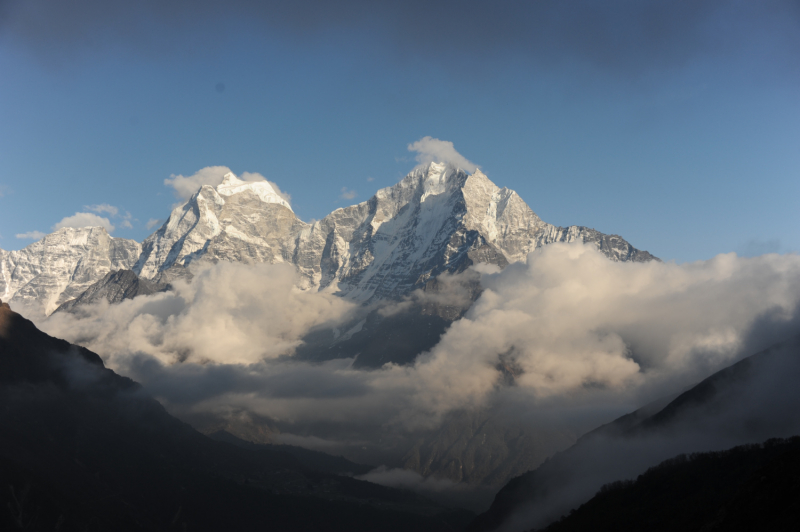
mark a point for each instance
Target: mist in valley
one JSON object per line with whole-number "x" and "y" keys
{"x": 550, "y": 349}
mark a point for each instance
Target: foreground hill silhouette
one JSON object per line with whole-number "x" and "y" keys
{"x": 752, "y": 487}
{"x": 746, "y": 403}
{"x": 82, "y": 448}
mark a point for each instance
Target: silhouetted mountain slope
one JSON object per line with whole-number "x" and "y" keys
{"x": 82, "y": 448}
{"x": 313, "y": 460}
{"x": 752, "y": 487}
{"x": 750, "y": 401}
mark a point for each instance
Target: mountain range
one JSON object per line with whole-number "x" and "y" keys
{"x": 437, "y": 219}
{"x": 72, "y": 426}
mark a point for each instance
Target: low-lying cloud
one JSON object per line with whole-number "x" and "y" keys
{"x": 230, "y": 314}
{"x": 572, "y": 321}
{"x": 567, "y": 330}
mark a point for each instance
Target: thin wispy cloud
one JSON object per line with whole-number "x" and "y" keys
{"x": 152, "y": 222}
{"x": 31, "y": 235}
{"x": 103, "y": 208}
{"x": 124, "y": 218}
{"x": 347, "y": 194}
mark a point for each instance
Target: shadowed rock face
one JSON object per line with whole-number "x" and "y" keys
{"x": 82, "y": 448}
{"x": 113, "y": 288}
{"x": 29, "y": 355}
{"x": 748, "y": 402}
{"x": 481, "y": 448}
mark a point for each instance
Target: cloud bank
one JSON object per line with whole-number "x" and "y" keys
{"x": 571, "y": 323}
{"x": 230, "y": 314}
{"x": 567, "y": 329}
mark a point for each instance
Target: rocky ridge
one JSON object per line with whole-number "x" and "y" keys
{"x": 437, "y": 219}
{"x": 113, "y": 288}
{"x": 62, "y": 265}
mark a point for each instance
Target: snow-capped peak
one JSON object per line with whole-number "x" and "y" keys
{"x": 435, "y": 179}
{"x": 233, "y": 185}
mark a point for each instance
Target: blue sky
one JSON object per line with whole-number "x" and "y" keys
{"x": 676, "y": 127}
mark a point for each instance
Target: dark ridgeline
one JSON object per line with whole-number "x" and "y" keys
{"x": 82, "y": 448}
{"x": 747, "y": 488}
{"x": 748, "y": 402}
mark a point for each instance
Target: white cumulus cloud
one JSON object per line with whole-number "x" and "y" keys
{"x": 431, "y": 150}
{"x": 185, "y": 186}
{"x": 85, "y": 219}
{"x": 152, "y": 222}
{"x": 258, "y": 307}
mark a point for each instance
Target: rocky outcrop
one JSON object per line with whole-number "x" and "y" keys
{"x": 437, "y": 219}
{"x": 62, "y": 266}
{"x": 113, "y": 288}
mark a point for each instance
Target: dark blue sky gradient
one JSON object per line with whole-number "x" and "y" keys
{"x": 674, "y": 125}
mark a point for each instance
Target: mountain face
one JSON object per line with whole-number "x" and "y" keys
{"x": 748, "y": 402}
{"x": 62, "y": 266}
{"x": 237, "y": 221}
{"x": 84, "y": 449}
{"x": 437, "y": 219}
{"x": 113, "y": 288}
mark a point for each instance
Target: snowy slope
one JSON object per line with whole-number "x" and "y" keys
{"x": 236, "y": 221}
{"x": 437, "y": 219}
{"x": 62, "y": 265}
